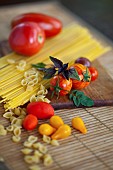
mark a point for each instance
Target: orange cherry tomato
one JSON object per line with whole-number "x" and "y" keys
{"x": 84, "y": 75}
{"x": 62, "y": 83}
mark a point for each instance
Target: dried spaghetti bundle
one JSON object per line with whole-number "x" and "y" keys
{"x": 19, "y": 81}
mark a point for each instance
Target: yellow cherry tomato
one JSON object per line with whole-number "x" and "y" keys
{"x": 56, "y": 121}
{"x": 78, "y": 124}
{"x": 62, "y": 132}
{"x": 46, "y": 129}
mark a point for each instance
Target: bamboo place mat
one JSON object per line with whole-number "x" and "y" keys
{"x": 93, "y": 151}
{"x": 82, "y": 152}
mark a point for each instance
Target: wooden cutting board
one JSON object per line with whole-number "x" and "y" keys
{"x": 100, "y": 90}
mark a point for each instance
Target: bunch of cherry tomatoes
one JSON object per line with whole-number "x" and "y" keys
{"x": 30, "y": 30}
{"x": 81, "y": 65}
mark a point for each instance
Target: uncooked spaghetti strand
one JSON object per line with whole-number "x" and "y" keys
{"x": 19, "y": 57}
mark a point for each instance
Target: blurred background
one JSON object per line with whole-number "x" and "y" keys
{"x": 99, "y": 13}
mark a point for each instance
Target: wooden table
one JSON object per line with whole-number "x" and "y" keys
{"x": 91, "y": 151}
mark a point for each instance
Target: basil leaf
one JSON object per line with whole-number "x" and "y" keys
{"x": 74, "y": 100}
{"x": 78, "y": 101}
{"x": 39, "y": 66}
{"x": 79, "y": 93}
{"x": 50, "y": 70}
{"x": 48, "y": 76}
{"x": 56, "y": 62}
{"x": 79, "y": 98}
{"x": 86, "y": 101}
{"x": 71, "y": 96}
{"x": 66, "y": 74}
{"x": 74, "y": 91}
{"x": 73, "y": 74}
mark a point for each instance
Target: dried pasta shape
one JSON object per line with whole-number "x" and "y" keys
{"x": 28, "y": 144}
{"x": 10, "y": 128}
{"x": 35, "y": 81}
{"x": 39, "y": 154}
{"x": 12, "y": 118}
{"x": 36, "y": 159}
{"x": 17, "y": 131}
{"x": 22, "y": 63}
{"x": 17, "y": 111}
{"x": 54, "y": 142}
{"x": 21, "y": 117}
{"x": 46, "y": 100}
{"x": 48, "y": 160}
{"x": 24, "y": 82}
{"x": 29, "y": 159}
{"x": 42, "y": 87}
{"x": 34, "y": 76}
{"x": 40, "y": 98}
{"x": 32, "y": 139}
{"x": 26, "y": 151}
{"x": 31, "y": 83}
{"x": 19, "y": 122}
{"x": 3, "y": 132}
{"x": 8, "y": 115}
{"x": 36, "y": 145}
{"x": 19, "y": 68}
{"x": 16, "y": 139}
{"x": 42, "y": 149}
{"x": 40, "y": 92}
{"x": 46, "y": 139}
{"x": 33, "y": 98}
{"x": 23, "y": 112}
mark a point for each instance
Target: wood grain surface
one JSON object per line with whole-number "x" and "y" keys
{"x": 100, "y": 90}
{"x": 78, "y": 152}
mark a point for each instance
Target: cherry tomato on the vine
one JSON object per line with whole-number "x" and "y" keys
{"x": 49, "y": 24}
{"x": 84, "y": 75}
{"x": 27, "y": 38}
{"x": 94, "y": 73}
{"x": 60, "y": 83}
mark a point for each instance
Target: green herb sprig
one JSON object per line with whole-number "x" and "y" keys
{"x": 79, "y": 98}
{"x": 57, "y": 68}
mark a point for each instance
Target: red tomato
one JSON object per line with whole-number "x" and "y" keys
{"x": 41, "y": 110}
{"x": 27, "y": 38}
{"x": 82, "y": 83}
{"x": 50, "y": 25}
{"x": 30, "y": 122}
{"x": 94, "y": 73}
{"x": 63, "y": 83}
